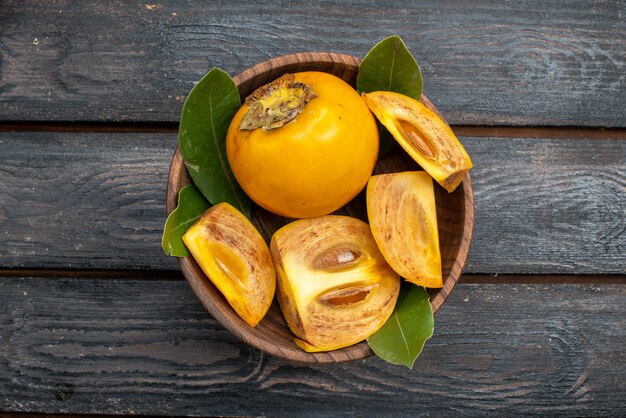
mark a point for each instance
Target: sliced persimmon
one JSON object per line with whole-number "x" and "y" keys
{"x": 334, "y": 286}
{"x": 403, "y": 218}
{"x": 423, "y": 135}
{"x": 234, "y": 256}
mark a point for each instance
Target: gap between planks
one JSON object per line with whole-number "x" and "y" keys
{"x": 46, "y": 415}
{"x": 473, "y": 278}
{"x": 461, "y": 130}
{"x": 93, "y": 274}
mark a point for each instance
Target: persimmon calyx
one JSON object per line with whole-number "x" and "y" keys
{"x": 276, "y": 104}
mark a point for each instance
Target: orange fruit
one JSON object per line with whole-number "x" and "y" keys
{"x": 303, "y": 145}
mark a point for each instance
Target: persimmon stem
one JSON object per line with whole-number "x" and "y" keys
{"x": 276, "y": 104}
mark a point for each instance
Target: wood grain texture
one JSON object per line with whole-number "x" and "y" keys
{"x": 543, "y": 205}
{"x": 84, "y": 200}
{"x": 149, "y": 347}
{"x": 522, "y": 63}
{"x": 97, "y": 201}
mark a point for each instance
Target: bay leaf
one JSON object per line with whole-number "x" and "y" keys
{"x": 204, "y": 122}
{"x": 191, "y": 205}
{"x": 389, "y": 66}
{"x": 401, "y": 339}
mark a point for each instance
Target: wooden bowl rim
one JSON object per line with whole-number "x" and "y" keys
{"x": 360, "y": 350}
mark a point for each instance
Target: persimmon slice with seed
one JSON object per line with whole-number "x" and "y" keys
{"x": 423, "y": 135}
{"x": 234, "y": 256}
{"x": 334, "y": 286}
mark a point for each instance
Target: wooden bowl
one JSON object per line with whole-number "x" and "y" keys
{"x": 455, "y": 214}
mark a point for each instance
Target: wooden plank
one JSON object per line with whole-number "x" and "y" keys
{"x": 523, "y": 63}
{"x": 84, "y": 200}
{"x": 148, "y": 347}
{"x": 96, "y": 201}
{"x": 548, "y": 206}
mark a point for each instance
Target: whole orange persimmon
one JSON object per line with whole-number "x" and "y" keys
{"x": 303, "y": 145}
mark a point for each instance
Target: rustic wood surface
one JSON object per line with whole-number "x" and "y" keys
{"x": 97, "y": 200}
{"x": 94, "y": 319}
{"x": 127, "y": 346}
{"x": 520, "y": 63}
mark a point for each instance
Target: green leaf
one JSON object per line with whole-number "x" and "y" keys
{"x": 401, "y": 339}
{"x": 204, "y": 122}
{"x": 389, "y": 66}
{"x": 191, "y": 204}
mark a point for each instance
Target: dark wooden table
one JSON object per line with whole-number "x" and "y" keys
{"x": 94, "y": 318}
